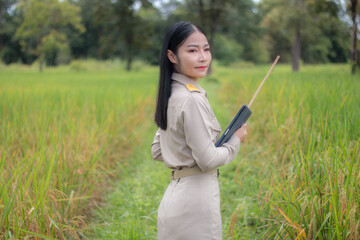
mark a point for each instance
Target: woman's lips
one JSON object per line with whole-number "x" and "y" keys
{"x": 201, "y": 67}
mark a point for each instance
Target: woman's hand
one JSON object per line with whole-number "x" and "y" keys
{"x": 241, "y": 133}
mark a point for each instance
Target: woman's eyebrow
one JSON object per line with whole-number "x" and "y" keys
{"x": 195, "y": 45}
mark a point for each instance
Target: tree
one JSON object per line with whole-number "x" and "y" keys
{"x": 208, "y": 14}
{"x": 130, "y": 28}
{"x": 297, "y": 21}
{"x": 42, "y": 31}
{"x": 310, "y": 30}
{"x": 241, "y": 22}
{"x": 9, "y": 22}
{"x": 155, "y": 27}
{"x": 102, "y": 17}
{"x": 4, "y": 7}
{"x": 328, "y": 40}
{"x": 286, "y": 22}
{"x": 95, "y": 18}
{"x": 353, "y": 10}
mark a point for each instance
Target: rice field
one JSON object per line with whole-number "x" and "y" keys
{"x": 62, "y": 134}
{"x": 302, "y": 154}
{"x": 75, "y": 152}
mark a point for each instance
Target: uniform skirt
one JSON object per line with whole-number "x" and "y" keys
{"x": 190, "y": 209}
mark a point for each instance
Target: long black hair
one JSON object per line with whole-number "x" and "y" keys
{"x": 175, "y": 35}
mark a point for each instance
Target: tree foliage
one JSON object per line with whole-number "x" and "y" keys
{"x": 42, "y": 31}
{"x": 9, "y": 22}
{"x": 242, "y": 23}
{"x": 54, "y": 31}
{"x": 131, "y": 28}
{"x": 313, "y": 27}
{"x": 353, "y": 6}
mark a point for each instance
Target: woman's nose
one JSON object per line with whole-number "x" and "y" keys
{"x": 202, "y": 56}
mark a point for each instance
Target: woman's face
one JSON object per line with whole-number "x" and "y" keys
{"x": 193, "y": 56}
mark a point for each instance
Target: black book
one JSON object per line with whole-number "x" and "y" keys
{"x": 241, "y": 117}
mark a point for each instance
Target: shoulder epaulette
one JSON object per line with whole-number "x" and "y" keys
{"x": 192, "y": 88}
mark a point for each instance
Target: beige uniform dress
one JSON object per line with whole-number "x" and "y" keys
{"x": 190, "y": 207}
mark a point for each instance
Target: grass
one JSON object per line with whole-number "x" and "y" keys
{"x": 303, "y": 154}
{"x": 75, "y": 152}
{"x": 62, "y": 133}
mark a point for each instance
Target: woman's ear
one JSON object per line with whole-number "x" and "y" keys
{"x": 172, "y": 57}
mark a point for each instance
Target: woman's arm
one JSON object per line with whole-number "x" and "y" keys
{"x": 199, "y": 136}
{"x": 156, "y": 148}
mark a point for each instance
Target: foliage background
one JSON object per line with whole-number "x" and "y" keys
{"x": 57, "y": 32}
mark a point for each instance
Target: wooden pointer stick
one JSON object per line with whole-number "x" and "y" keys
{"x": 243, "y": 114}
{"x": 262, "y": 83}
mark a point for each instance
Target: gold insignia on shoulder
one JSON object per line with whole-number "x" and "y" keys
{"x": 192, "y": 88}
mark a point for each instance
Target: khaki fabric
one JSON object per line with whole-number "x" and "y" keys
{"x": 192, "y": 131}
{"x": 190, "y": 208}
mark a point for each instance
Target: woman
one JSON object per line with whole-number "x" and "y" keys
{"x": 185, "y": 140}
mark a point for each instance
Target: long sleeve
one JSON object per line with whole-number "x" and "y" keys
{"x": 197, "y": 129}
{"x": 156, "y": 147}
{"x": 192, "y": 130}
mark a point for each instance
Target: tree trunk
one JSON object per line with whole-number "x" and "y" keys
{"x": 1, "y": 41}
{"x": 41, "y": 56}
{"x": 99, "y": 49}
{"x": 211, "y": 40}
{"x": 1, "y": 38}
{"x": 353, "y": 36}
{"x": 214, "y": 15}
{"x": 202, "y": 14}
{"x": 129, "y": 62}
{"x": 296, "y": 52}
{"x": 129, "y": 49}
{"x": 41, "y": 65}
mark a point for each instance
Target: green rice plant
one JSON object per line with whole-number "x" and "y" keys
{"x": 66, "y": 134}
{"x": 62, "y": 134}
{"x": 304, "y": 144}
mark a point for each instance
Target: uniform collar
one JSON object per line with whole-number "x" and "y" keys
{"x": 186, "y": 80}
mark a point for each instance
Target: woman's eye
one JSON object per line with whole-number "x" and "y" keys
{"x": 207, "y": 49}
{"x": 192, "y": 50}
